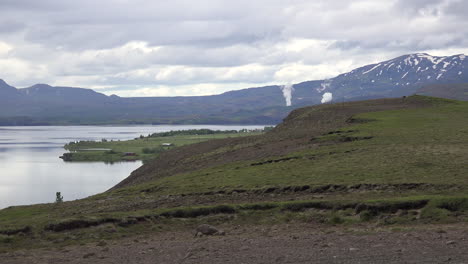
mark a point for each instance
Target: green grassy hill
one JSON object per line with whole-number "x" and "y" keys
{"x": 384, "y": 162}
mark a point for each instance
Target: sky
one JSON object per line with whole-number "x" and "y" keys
{"x": 186, "y": 47}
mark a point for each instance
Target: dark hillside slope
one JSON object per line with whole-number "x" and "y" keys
{"x": 297, "y": 132}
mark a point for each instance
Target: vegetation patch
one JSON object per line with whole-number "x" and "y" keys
{"x": 273, "y": 161}
{"x": 77, "y": 223}
{"x": 144, "y": 147}
{"x": 9, "y": 232}
{"x": 201, "y": 211}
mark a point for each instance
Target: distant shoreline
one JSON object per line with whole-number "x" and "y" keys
{"x": 132, "y": 125}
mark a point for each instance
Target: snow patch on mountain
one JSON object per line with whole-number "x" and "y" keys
{"x": 373, "y": 68}
{"x": 325, "y": 85}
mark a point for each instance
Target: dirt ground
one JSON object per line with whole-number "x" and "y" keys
{"x": 288, "y": 243}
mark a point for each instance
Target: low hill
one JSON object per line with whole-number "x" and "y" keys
{"x": 298, "y": 131}
{"x": 399, "y": 161}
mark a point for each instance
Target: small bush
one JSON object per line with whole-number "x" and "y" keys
{"x": 366, "y": 216}
{"x": 152, "y": 150}
{"x": 435, "y": 214}
{"x": 6, "y": 239}
{"x": 336, "y": 219}
{"x": 454, "y": 204}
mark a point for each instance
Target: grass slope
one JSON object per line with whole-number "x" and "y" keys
{"x": 384, "y": 162}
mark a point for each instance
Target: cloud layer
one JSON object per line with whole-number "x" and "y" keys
{"x": 145, "y": 48}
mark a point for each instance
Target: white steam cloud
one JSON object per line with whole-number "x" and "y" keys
{"x": 327, "y": 97}
{"x": 287, "y": 93}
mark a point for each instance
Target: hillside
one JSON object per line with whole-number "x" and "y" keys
{"x": 309, "y": 131}
{"x": 450, "y": 91}
{"x": 372, "y": 163}
{"x": 297, "y": 132}
{"x": 402, "y": 76}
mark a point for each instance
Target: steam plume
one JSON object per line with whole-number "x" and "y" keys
{"x": 287, "y": 93}
{"x": 327, "y": 97}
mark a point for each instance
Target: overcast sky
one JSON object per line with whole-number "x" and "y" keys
{"x": 176, "y": 47}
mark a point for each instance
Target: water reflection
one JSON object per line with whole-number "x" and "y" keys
{"x": 31, "y": 172}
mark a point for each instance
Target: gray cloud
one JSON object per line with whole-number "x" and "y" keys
{"x": 179, "y": 43}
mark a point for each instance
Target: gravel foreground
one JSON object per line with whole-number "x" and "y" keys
{"x": 273, "y": 244}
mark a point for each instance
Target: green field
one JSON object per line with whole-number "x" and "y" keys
{"x": 144, "y": 147}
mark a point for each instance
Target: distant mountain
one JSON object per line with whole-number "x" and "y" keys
{"x": 405, "y": 75}
{"x": 7, "y": 92}
{"x": 397, "y": 77}
{"x": 68, "y": 95}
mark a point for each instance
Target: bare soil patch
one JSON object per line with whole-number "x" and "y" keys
{"x": 287, "y": 243}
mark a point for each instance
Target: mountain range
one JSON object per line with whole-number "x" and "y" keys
{"x": 42, "y": 104}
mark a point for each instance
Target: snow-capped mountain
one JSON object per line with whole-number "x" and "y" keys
{"x": 405, "y": 75}
{"x": 397, "y": 77}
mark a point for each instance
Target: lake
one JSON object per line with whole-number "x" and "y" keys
{"x": 31, "y": 171}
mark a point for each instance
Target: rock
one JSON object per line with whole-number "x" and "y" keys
{"x": 89, "y": 255}
{"x": 244, "y": 248}
{"x": 353, "y": 249}
{"x": 101, "y": 243}
{"x": 208, "y": 230}
{"x": 451, "y": 242}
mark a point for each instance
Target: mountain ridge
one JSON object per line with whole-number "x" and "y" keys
{"x": 400, "y": 76}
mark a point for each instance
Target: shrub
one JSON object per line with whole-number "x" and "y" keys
{"x": 151, "y": 150}
{"x": 435, "y": 214}
{"x": 336, "y": 219}
{"x": 366, "y": 216}
{"x": 454, "y": 204}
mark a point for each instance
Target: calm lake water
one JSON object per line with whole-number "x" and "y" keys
{"x": 31, "y": 170}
